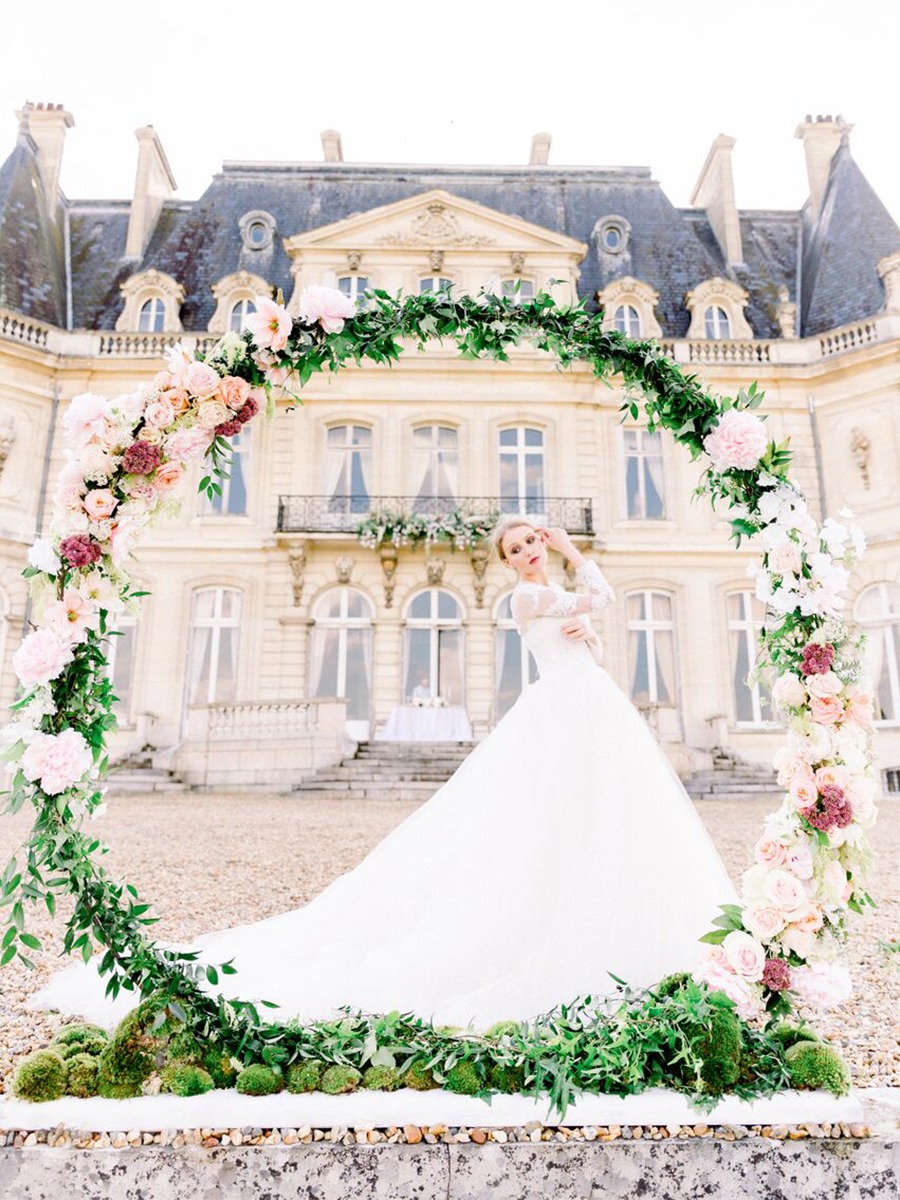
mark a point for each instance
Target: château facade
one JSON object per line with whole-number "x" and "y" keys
{"x": 264, "y": 604}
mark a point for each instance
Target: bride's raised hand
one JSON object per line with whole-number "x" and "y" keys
{"x": 556, "y": 538}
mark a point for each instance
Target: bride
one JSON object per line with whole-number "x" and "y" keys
{"x": 564, "y": 849}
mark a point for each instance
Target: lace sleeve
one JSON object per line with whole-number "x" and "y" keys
{"x": 599, "y": 591}
{"x": 532, "y": 600}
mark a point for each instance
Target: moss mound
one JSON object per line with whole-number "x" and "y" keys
{"x": 788, "y": 1033}
{"x": 384, "y": 1079}
{"x": 337, "y": 1080}
{"x": 501, "y": 1028}
{"x": 304, "y": 1076}
{"x": 817, "y": 1065}
{"x": 419, "y": 1077}
{"x": 40, "y": 1076}
{"x": 503, "y": 1078}
{"x": 718, "y": 1044}
{"x": 186, "y": 1079}
{"x": 220, "y": 1067}
{"x": 80, "y": 1039}
{"x": 130, "y": 1055}
{"x": 672, "y": 984}
{"x": 259, "y": 1080}
{"x": 82, "y": 1076}
{"x": 464, "y": 1078}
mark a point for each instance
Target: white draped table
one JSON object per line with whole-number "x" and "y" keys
{"x": 421, "y": 723}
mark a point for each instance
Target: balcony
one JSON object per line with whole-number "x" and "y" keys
{"x": 342, "y": 514}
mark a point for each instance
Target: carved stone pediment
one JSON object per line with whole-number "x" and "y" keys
{"x": 435, "y": 225}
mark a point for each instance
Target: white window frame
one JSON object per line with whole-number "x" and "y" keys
{"x": 434, "y": 624}
{"x": 217, "y": 623}
{"x": 246, "y": 307}
{"x": 717, "y": 317}
{"x": 434, "y": 283}
{"x": 155, "y": 307}
{"x": 504, "y": 624}
{"x": 123, "y": 621}
{"x": 508, "y": 289}
{"x": 520, "y": 451}
{"x": 627, "y": 320}
{"x": 881, "y": 627}
{"x": 747, "y": 627}
{"x": 640, "y": 453}
{"x": 356, "y": 285}
{"x": 650, "y": 626}
{"x": 342, "y": 623}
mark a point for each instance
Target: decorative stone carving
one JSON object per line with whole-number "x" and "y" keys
{"x": 354, "y": 258}
{"x": 144, "y": 286}
{"x": 639, "y": 295}
{"x": 479, "y": 558}
{"x": 517, "y": 262}
{"x": 434, "y": 569}
{"x": 725, "y": 294}
{"x": 388, "y": 555}
{"x": 242, "y": 285}
{"x": 297, "y": 561}
{"x": 860, "y": 448}
{"x": 7, "y": 437}
{"x": 436, "y": 224}
{"x": 344, "y": 568}
{"x": 436, "y": 260}
{"x": 786, "y": 313}
{"x": 889, "y": 270}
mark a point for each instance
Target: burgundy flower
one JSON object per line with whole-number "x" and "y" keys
{"x": 819, "y": 818}
{"x": 229, "y": 428}
{"x": 817, "y": 658}
{"x": 248, "y": 409}
{"x": 776, "y": 975}
{"x": 79, "y": 550}
{"x": 141, "y": 458}
{"x": 837, "y": 806}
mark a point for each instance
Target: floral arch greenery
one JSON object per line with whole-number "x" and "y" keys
{"x": 126, "y": 454}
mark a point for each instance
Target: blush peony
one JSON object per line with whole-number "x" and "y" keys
{"x": 84, "y": 418}
{"x": 327, "y": 306}
{"x": 822, "y": 985}
{"x": 40, "y": 658}
{"x": 737, "y": 442}
{"x": 56, "y": 761}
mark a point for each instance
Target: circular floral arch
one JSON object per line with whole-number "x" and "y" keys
{"x": 126, "y": 454}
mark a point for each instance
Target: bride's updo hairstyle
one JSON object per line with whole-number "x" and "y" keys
{"x": 502, "y": 528}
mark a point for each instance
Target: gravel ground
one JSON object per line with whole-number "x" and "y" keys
{"x": 209, "y": 862}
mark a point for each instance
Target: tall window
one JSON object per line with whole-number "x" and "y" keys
{"x": 522, "y": 471}
{"x": 718, "y": 323}
{"x": 751, "y": 701}
{"x": 120, "y": 664}
{"x": 237, "y": 319}
{"x": 643, "y": 475}
{"x": 627, "y": 320}
{"x": 342, "y": 650}
{"x": 878, "y": 611}
{"x": 4, "y": 631}
{"x": 213, "y": 647}
{"x": 518, "y": 289}
{"x": 434, "y": 648}
{"x": 152, "y": 317}
{"x": 233, "y": 500}
{"x": 513, "y": 664}
{"x": 353, "y": 286}
{"x": 436, "y": 466}
{"x": 651, "y": 647}
{"x": 348, "y": 463}
{"x": 435, "y": 283}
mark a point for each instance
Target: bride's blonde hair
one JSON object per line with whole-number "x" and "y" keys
{"x": 502, "y": 528}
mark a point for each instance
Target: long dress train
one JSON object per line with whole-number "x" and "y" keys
{"x": 563, "y": 848}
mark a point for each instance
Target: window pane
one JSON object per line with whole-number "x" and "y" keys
{"x": 327, "y": 683}
{"x": 418, "y": 666}
{"x": 356, "y": 688}
{"x": 664, "y": 646}
{"x": 450, "y": 665}
{"x": 448, "y": 609}
{"x": 358, "y": 606}
{"x": 740, "y": 660}
{"x": 121, "y": 652}
{"x": 420, "y": 608}
{"x": 631, "y": 487}
{"x": 637, "y": 606}
{"x": 508, "y": 437}
{"x": 534, "y": 437}
{"x": 639, "y": 669}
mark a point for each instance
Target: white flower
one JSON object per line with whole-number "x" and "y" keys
{"x": 834, "y": 535}
{"x": 43, "y": 556}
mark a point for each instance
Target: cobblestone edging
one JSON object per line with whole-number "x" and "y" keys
{"x": 654, "y": 1169}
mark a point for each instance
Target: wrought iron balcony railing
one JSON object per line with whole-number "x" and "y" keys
{"x": 342, "y": 514}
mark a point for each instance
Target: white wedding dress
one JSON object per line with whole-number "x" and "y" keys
{"x": 563, "y": 848}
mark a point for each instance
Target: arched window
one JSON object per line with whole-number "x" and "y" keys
{"x": 745, "y": 616}
{"x": 341, "y": 663}
{"x": 232, "y": 502}
{"x": 718, "y": 323}
{"x": 522, "y": 488}
{"x": 436, "y": 467}
{"x": 435, "y": 664}
{"x": 435, "y": 283}
{"x": 120, "y": 664}
{"x": 353, "y": 286}
{"x": 213, "y": 645}
{"x": 644, "y": 491}
{"x": 651, "y": 647}
{"x": 518, "y": 289}
{"x": 348, "y": 466}
{"x": 152, "y": 317}
{"x": 878, "y": 611}
{"x": 514, "y": 666}
{"x": 627, "y": 320}
{"x": 237, "y": 318}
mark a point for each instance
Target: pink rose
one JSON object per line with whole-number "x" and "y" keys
{"x": 40, "y": 658}
{"x": 763, "y": 921}
{"x": 84, "y": 418}
{"x": 783, "y": 891}
{"x": 159, "y": 413}
{"x": 326, "y": 305}
{"x": 770, "y": 851}
{"x": 745, "y": 955}
{"x": 201, "y": 381}
{"x": 56, "y": 761}
{"x": 178, "y": 398}
{"x": 793, "y": 769}
{"x": 168, "y": 476}
{"x": 831, "y": 777}
{"x": 737, "y": 442}
{"x": 99, "y": 503}
{"x": 822, "y": 985}
{"x": 804, "y": 793}
{"x": 826, "y": 710}
{"x": 270, "y": 325}
{"x": 824, "y": 685}
{"x": 234, "y": 392}
{"x": 789, "y": 690}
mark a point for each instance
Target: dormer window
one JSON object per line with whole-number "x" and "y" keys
{"x": 257, "y": 230}
{"x": 612, "y": 234}
{"x": 152, "y": 317}
{"x": 717, "y": 311}
{"x": 152, "y": 303}
{"x": 717, "y": 323}
{"x": 628, "y": 307}
{"x": 627, "y": 320}
{"x": 236, "y": 300}
{"x": 518, "y": 289}
{"x": 353, "y": 286}
{"x": 435, "y": 283}
{"x": 237, "y": 320}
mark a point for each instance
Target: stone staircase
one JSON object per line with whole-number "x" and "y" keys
{"x": 731, "y": 778}
{"x": 136, "y": 773}
{"x": 387, "y": 771}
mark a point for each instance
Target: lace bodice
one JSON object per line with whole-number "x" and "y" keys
{"x": 538, "y": 611}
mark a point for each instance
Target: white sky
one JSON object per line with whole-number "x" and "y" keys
{"x": 466, "y": 81}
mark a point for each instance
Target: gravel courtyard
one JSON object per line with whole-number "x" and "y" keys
{"x": 207, "y": 862}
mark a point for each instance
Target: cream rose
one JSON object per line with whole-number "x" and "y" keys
{"x": 793, "y": 769}
{"x": 159, "y": 413}
{"x": 803, "y": 793}
{"x": 212, "y": 413}
{"x": 745, "y": 955}
{"x": 168, "y": 475}
{"x": 822, "y": 686}
{"x": 784, "y": 891}
{"x": 789, "y": 690}
{"x": 770, "y": 851}
{"x": 763, "y": 921}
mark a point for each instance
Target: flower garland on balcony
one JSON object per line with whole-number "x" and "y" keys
{"x": 391, "y": 526}
{"x": 125, "y": 457}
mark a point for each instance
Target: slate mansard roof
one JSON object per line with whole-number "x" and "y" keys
{"x": 827, "y": 267}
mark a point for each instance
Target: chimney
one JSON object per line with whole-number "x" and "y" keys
{"x": 540, "y": 149}
{"x": 153, "y": 186}
{"x": 331, "y": 145}
{"x": 821, "y": 138}
{"x": 714, "y": 192}
{"x": 47, "y": 125}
